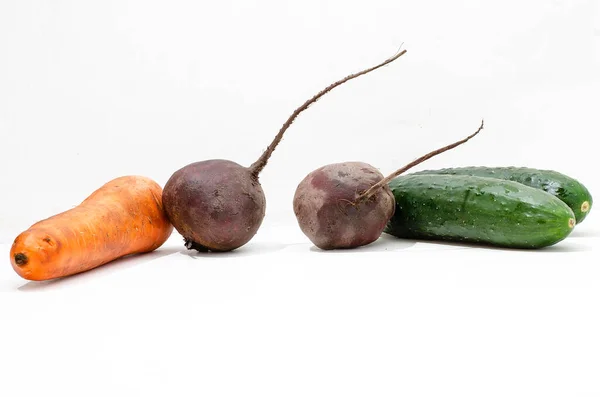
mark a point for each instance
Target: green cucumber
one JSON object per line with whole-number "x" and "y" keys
{"x": 569, "y": 190}
{"x": 479, "y": 210}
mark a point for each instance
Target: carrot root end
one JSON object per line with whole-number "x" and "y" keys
{"x": 21, "y": 259}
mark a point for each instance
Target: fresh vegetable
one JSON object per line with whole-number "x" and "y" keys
{"x": 330, "y": 212}
{"x": 569, "y": 190}
{"x": 347, "y": 205}
{"x": 219, "y": 205}
{"x": 123, "y": 217}
{"x": 479, "y": 210}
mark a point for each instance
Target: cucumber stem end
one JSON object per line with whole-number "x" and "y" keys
{"x": 585, "y": 206}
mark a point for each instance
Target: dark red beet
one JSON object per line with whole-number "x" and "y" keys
{"x": 324, "y": 204}
{"x": 347, "y": 205}
{"x": 218, "y": 205}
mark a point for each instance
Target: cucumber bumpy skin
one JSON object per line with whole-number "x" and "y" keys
{"x": 569, "y": 190}
{"x": 479, "y": 210}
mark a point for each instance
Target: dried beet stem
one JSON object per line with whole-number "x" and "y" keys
{"x": 371, "y": 191}
{"x": 259, "y": 164}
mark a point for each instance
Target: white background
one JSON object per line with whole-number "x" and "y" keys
{"x": 90, "y": 91}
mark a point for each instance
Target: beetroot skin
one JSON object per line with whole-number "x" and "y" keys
{"x": 325, "y": 207}
{"x": 216, "y": 205}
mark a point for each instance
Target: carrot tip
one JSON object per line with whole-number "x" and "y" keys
{"x": 21, "y": 259}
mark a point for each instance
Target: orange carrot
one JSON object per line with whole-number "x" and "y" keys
{"x": 123, "y": 217}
